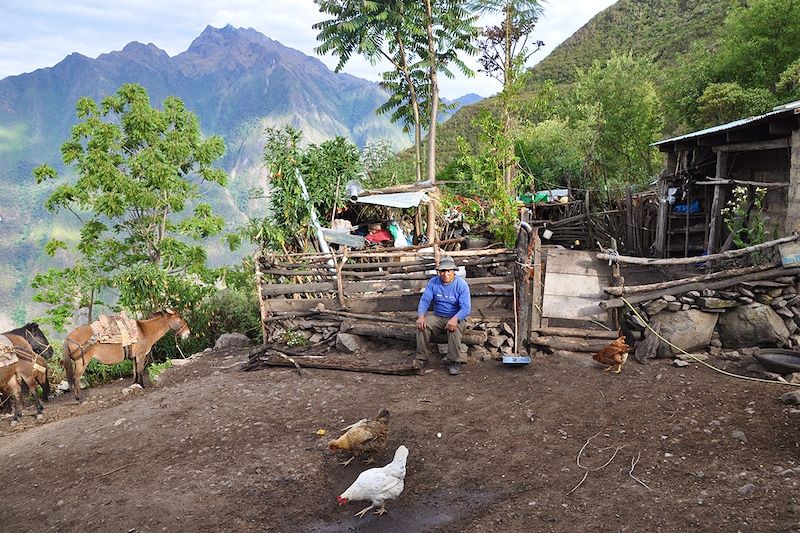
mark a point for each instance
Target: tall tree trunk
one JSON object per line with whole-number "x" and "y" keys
{"x": 431, "y": 233}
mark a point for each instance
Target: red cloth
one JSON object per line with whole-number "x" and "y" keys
{"x": 381, "y": 235}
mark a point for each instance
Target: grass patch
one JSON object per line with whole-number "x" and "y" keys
{"x": 157, "y": 368}
{"x": 97, "y": 373}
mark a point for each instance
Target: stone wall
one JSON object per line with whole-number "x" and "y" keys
{"x": 756, "y": 313}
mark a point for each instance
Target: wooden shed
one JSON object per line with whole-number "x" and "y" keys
{"x": 703, "y": 168}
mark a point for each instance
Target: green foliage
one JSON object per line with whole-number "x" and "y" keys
{"x": 155, "y": 369}
{"x": 293, "y": 338}
{"x": 135, "y": 166}
{"x": 325, "y": 168}
{"x": 725, "y": 102}
{"x": 482, "y": 168}
{"x": 97, "y": 373}
{"x": 548, "y": 152}
{"x": 788, "y": 86}
{"x": 617, "y": 101}
{"x": 225, "y": 311}
{"x": 758, "y": 42}
{"x": 19, "y": 316}
{"x": 744, "y": 216}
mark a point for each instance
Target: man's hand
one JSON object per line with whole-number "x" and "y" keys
{"x": 452, "y": 324}
{"x": 421, "y": 323}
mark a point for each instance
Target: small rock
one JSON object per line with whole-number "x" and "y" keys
{"x": 732, "y": 355}
{"x": 791, "y": 398}
{"x": 232, "y": 340}
{"x": 119, "y": 421}
{"x": 655, "y": 306}
{"x": 716, "y": 342}
{"x": 746, "y": 489}
{"x": 674, "y": 306}
{"x": 793, "y": 378}
{"x": 693, "y": 358}
{"x": 668, "y": 298}
{"x": 739, "y": 435}
{"x": 680, "y": 363}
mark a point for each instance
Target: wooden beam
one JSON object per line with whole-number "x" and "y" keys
{"x": 277, "y": 289}
{"x": 721, "y": 284}
{"x": 578, "y": 333}
{"x": 697, "y": 259}
{"x": 653, "y": 287}
{"x": 753, "y": 146}
{"x": 765, "y": 184}
{"x": 486, "y": 306}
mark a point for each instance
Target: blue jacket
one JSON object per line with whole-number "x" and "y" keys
{"x": 448, "y": 300}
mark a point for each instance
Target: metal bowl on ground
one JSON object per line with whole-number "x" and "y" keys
{"x": 778, "y": 360}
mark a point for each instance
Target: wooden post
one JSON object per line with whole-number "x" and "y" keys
{"x": 661, "y": 225}
{"x": 616, "y": 281}
{"x": 522, "y": 285}
{"x": 630, "y": 243}
{"x": 433, "y": 198}
{"x": 261, "y": 308}
{"x": 536, "y": 296}
{"x": 588, "y": 219}
{"x": 687, "y": 223}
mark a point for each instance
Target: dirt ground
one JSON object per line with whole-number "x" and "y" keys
{"x": 211, "y": 448}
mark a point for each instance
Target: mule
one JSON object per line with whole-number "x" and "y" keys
{"x": 30, "y": 369}
{"x": 41, "y": 346}
{"x": 81, "y": 346}
{"x": 31, "y": 333}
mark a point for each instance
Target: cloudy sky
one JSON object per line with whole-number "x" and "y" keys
{"x": 40, "y": 33}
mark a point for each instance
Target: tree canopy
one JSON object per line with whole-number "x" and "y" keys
{"x": 138, "y": 170}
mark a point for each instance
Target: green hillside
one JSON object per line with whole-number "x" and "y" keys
{"x": 662, "y": 29}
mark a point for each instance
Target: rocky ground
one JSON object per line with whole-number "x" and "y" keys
{"x": 210, "y": 448}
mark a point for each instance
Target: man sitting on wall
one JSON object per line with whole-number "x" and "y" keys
{"x": 451, "y": 307}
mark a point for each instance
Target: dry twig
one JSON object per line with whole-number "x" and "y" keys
{"x": 115, "y": 470}
{"x": 634, "y": 462}
{"x": 586, "y": 468}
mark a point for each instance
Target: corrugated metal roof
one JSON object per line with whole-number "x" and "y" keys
{"x": 401, "y": 200}
{"x": 787, "y": 108}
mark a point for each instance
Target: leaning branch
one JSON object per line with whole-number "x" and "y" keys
{"x": 730, "y": 254}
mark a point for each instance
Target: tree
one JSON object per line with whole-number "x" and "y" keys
{"x": 325, "y": 169}
{"x": 503, "y": 53}
{"x": 506, "y": 44}
{"x": 413, "y": 37}
{"x": 618, "y": 103}
{"x": 135, "y": 169}
{"x": 759, "y": 41}
{"x": 379, "y": 29}
{"x": 724, "y": 102}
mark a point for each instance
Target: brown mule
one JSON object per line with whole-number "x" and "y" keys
{"x": 80, "y": 347}
{"x": 31, "y": 370}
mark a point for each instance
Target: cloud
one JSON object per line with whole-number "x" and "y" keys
{"x": 40, "y": 33}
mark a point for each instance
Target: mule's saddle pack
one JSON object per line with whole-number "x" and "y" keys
{"x": 8, "y": 355}
{"x": 115, "y": 329}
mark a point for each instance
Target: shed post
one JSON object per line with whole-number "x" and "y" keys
{"x": 793, "y": 194}
{"x": 716, "y": 203}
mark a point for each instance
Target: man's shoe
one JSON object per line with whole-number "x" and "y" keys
{"x": 454, "y": 369}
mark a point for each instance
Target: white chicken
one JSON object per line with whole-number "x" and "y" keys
{"x": 378, "y": 484}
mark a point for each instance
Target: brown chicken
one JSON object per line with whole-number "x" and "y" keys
{"x": 615, "y": 353}
{"x": 364, "y": 437}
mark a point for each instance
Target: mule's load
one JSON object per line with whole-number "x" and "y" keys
{"x": 8, "y": 355}
{"x": 115, "y": 329}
